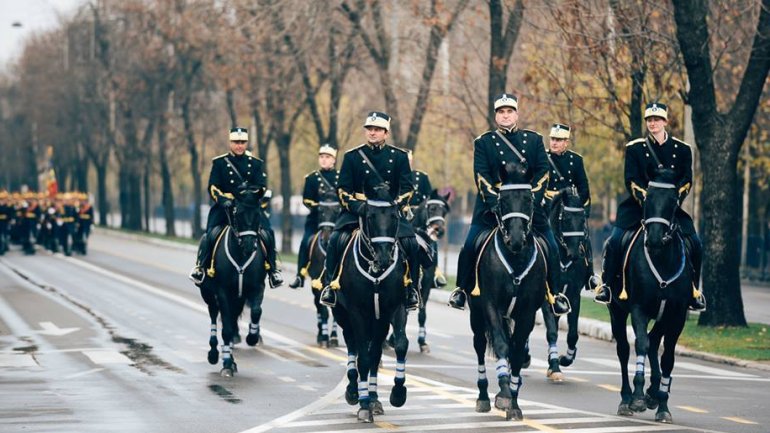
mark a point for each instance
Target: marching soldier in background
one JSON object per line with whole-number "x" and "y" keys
{"x": 567, "y": 171}
{"x": 6, "y": 214}
{"x": 28, "y": 215}
{"x": 643, "y": 157}
{"x": 231, "y": 172}
{"x": 358, "y": 179}
{"x": 66, "y": 217}
{"x": 422, "y": 190}
{"x": 491, "y": 150}
{"x": 317, "y": 183}
{"x": 85, "y": 218}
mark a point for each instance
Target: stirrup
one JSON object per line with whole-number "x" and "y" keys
{"x": 413, "y": 306}
{"x": 275, "y": 278}
{"x": 606, "y": 290}
{"x": 458, "y": 293}
{"x": 559, "y": 297}
{"x": 197, "y": 280}
{"x": 298, "y": 282}
{"x": 328, "y": 292}
{"x": 698, "y": 304}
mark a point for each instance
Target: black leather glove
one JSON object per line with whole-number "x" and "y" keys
{"x": 227, "y": 203}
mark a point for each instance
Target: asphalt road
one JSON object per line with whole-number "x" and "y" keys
{"x": 117, "y": 340}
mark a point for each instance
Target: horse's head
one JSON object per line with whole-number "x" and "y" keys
{"x": 515, "y": 206}
{"x": 660, "y": 205}
{"x": 380, "y": 227}
{"x": 246, "y": 218}
{"x": 328, "y": 211}
{"x": 571, "y": 225}
{"x": 431, "y": 215}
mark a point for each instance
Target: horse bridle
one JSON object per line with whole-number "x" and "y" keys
{"x": 672, "y": 226}
{"x": 327, "y": 204}
{"x": 234, "y": 226}
{"x": 560, "y": 235}
{"x": 364, "y": 223}
{"x": 502, "y": 218}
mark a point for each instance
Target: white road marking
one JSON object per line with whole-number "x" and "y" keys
{"x": 49, "y": 328}
{"x": 83, "y": 373}
{"x": 17, "y": 360}
{"x": 706, "y": 369}
{"x": 107, "y": 357}
{"x": 287, "y": 379}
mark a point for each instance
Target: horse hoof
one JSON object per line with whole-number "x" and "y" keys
{"x": 527, "y": 361}
{"x": 226, "y": 372}
{"x": 664, "y": 417}
{"x": 625, "y": 410}
{"x": 514, "y": 414}
{"x": 398, "y": 396}
{"x": 651, "y": 402}
{"x": 253, "y": 339}
{"x": 483, "y": 406}
{"x": 376, "y": 408}
{"x": 365, "y": 415}
{"x": 638, "y": 405}
{"x": 334, "y": 342}
{"x": 323, "y": 344}
{"x": 213, "y": 356}
{"x": 351, "y": 396}
{"x": 503, "y": 403}
{"x": 555, "y": 376}
{"x": 565, "y": 362}
{"x": 424, "y": 348}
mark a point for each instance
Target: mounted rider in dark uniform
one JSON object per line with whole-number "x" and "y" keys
{"x": 231, "y": 172}
{"x": 358, "y": 181}
{"x": 317, "y": 183}
{"x": 490, "y": 152}
{"x": 643, "y": 157}
{"x": 422, "y": 190}
{"x": 567, "y": 171}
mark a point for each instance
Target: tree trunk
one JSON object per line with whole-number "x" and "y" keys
{"x": 101, "y": 194}
{"x": 147, "y": 195}
{"x": 165, "y": 176}
{"x": 500, "y": 48}
{"x": 284, "y": 141}
{"x": 197, "y": 230}
{"x": 230, "y": 99}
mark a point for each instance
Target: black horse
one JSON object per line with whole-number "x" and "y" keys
{"x": 511, "y": 285}
{"x": 371, "y": 299}
{"x": 657, "y": 285}
{"x": 235, "y": 277}
{"x": 328, "y": 209}
{"x": 568, "y": 219}
{"x": 430, "y": 224}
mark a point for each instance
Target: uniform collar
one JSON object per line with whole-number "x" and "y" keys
{"x": 236, "y": 156}
{"x": 513, "y": 129}
{"x": 653, "y": 140}
{"x": 376, "y": 147}
{"x": 550, "y": 152}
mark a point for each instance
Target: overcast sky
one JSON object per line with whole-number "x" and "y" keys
{"x": 34, "y": 16}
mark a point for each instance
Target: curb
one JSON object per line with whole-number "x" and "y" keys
{"x": 593, "y": 328}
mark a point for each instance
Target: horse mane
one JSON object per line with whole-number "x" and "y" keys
{"x": 513, "y": 172}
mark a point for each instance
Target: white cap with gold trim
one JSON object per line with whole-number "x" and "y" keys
{"x": 379, "y": 119}
{"x": 656, "y": 109}
{"x": 560, "y": 130}
{"x": 325, "y": 149}
{"x": 239, "y": 134}
{"x": 506, "y": 100}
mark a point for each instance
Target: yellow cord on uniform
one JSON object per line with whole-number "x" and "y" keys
{"x": 211, "y": 272}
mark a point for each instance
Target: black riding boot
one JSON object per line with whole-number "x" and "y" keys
{"x": 198, "y": 272}
{"x": 698, "y": 301}
{"x": 465, "y": 280}
{"x": 302, "y": 262}
{"x": 609, "y": 267}
{"x": 412, "y": 250}
{"x": 337, "y": 242}
{"x": 559, "y": 303}
{"x": 593, "y": 280}
{"x": 273, "y": 273}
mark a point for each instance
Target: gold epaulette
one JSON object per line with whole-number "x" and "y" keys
{"x": 572, "y": 151}
{"x": 355, "y": 148}
{"x": 483, "y": 134}
{"x": 632, "y": 142}
{"x": 680, "y": 141}
{"x": 395, "y": 147}
{"x": 532, "y": 131}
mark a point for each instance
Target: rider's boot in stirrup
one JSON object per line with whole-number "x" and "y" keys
{"x": 560, "y": 305}
{"x": 329, "y": 296}
{"x": 457, "y": 298}
{"x": 698, "y": 301}
{"x": 298, "y": 282}
{"x": 439, "y": 280}
{"x": 198, "y": 273}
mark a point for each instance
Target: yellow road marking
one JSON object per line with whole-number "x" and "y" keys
{"x": 693, "y": 409}
{"x": 386, "y": 425}
{"x": 576, "y": 379}
{"x": 612, "y": 388}
{"x": 738, "y": 420}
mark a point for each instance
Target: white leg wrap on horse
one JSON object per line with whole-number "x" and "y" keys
{"x": 553, "y": 352}
{"x": 515, "y": 384}
{"x": 226, "y": 351}
{"x": 372, "y": 384}
{"x": 482, "y": 372}
{"x": 571, "y": 353}
{"x": 213, "y": 330}
{"x": 351, "y": 362}
{"x": 253, "y": 328}
{"x": 502, "y": 368}
{"x": 400, "y": 369}
{"x": 421, "y": 333}
{"x": 324, "y": 329}
{"x": 665, "y": 384}
{"x": 363, "y": 390}
{"x": 640, "y": 364}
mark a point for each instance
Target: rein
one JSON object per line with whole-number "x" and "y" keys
{"x": 235, "y": 264}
